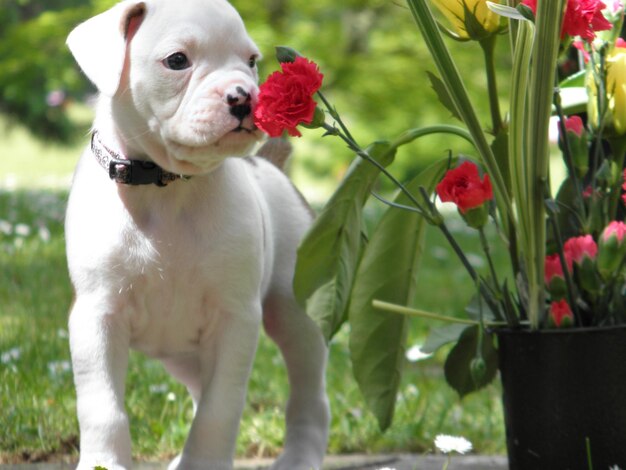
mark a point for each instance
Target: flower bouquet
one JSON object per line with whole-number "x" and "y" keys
{"x": 566, "y": 250}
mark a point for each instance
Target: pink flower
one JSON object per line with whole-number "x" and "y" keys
{"x": 614, "y": 229}
{"x": 620, "y": 43}
{"x": 561, "y": 314}
{"x": 576, "y": 249}
{"x": 463, "y": 186}
{"x": 588, "y": 192}
{"x": 612, "y": 249}
{"x": 553, "y": 267}
{"x": 574, "y": 124}
{"x": 582, "y": 18}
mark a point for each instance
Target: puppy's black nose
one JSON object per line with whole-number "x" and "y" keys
{"x": 239, "y": 102}
{"x": 240, "y": 111}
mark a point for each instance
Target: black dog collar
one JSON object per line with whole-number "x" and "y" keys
{"x": 132, "y": 172}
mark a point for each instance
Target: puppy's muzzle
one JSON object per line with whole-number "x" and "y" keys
{"x": 239, "y": 101}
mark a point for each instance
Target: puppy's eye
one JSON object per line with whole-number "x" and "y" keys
{"x": 252, "y": 62}
{"x": 177, "y": 61}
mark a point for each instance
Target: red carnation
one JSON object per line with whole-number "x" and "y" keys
{"x": 561, "y": 314}
{"x": 582, "y": 18}
{"x": 464, "y": 187}
{"x": 285, "y": 99}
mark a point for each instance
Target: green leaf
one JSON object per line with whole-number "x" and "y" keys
{"x": 575, "y": 80}
{"x": 443, "y": 95}
{"x": 457, "y": 368}
{"x": 388, "y": 271}
{"x": 439, "y": 337}
{"x": 329, "y": 254}
{"x": 508, "y": 12}
{"x": 327, "y": 307}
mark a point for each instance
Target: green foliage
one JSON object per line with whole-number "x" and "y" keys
{"x": 458, "y": 368}
{"x": 37, "y": 74}
{"x": 373, "y": 60}
{"x": 329, "y": 254}
{"x": 387, "y": 271}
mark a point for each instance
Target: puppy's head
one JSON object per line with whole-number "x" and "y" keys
{"x": 181, "y": 77}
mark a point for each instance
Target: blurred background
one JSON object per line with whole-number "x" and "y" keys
{"x": 370, "y": 52}
{"x": 375, "y": 65}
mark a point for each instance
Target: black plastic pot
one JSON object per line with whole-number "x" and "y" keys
{"x": 564, "y": 392}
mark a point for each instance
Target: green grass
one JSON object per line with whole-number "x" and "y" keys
{"x": 36, "y": 393}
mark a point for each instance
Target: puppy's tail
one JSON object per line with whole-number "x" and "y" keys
{"x": 277, "y": 151}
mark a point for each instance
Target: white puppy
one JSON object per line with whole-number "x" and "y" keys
{"x": 185, "y": 269}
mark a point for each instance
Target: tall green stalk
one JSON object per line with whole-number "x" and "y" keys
{"x": 537, "y": 158}
{"x": 517, "y": 140}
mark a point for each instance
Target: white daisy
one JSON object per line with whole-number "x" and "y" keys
{"x": 415, "y": 354}
{"x": 447, "y": 444}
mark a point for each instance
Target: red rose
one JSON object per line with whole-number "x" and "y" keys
{"x": 285, "y": 99}
{"x": 464, "y": 187}
{"x": 582, "y": 18}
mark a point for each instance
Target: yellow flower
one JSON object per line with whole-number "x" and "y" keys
{"x": 471, "y": 19}
{"x": 615, "y": 91}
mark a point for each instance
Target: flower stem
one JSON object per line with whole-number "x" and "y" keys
{"x": 492, "y": 269}
{"x": 352, "y": 145}
{"x": 567, "y": 152}
{"x": 413, "y": 312}
{"x": 569, "y": 283}
{"x": 483, "y": 289}
{"x": 488, "y": 47}
{"x": 618, "y": 149}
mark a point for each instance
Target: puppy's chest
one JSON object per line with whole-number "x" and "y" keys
{"x": 173, "y": 283}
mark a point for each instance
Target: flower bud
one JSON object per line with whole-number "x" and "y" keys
{"x": 560, "y": 315}
{"x": 577, "y": 249}
{"x": 583, "y": 251}
{"x": 612, "y": 249}
{"x": 471, "y": 19}
{"x": 286, "y": 54}
{"x": 577, "y": 144}
{"x": 554, "y": 276}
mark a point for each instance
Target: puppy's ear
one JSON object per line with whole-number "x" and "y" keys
{"x": 99, "y": 44}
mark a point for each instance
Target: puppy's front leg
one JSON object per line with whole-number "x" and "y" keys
{"x": 225, "y": 366}
{"x": 99, "y": 344}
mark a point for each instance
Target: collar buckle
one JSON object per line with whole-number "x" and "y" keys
{"x": 131, "y": 172}
{"x": 136, "y": 172}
